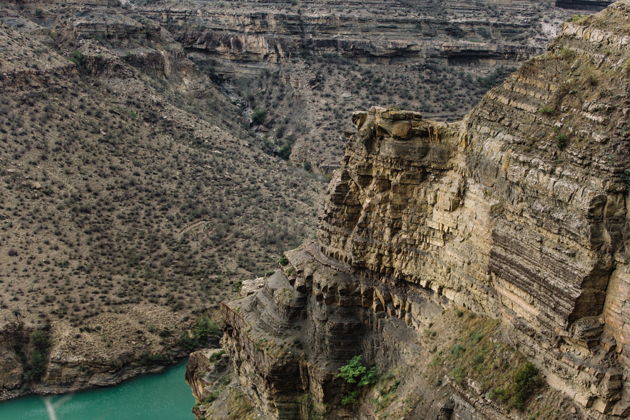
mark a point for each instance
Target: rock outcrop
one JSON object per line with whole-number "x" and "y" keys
{"x": 518, "y": 213}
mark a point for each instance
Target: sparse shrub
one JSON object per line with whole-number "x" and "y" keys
{"x": 216, "y": 356}
{"x": 526, "y": 381}
{"x": 258, "y": 116}
{"x": 547, "y": 110}
{"x": 213, "y": 395}
{"x": 203, "y": 331}
{"x": 36, "y": 364}
{"x": 152, "y": 359}
{"x": 457, "y": 350}
{"x": 495, "y": 78}
{"x": 350, "y": 398}
{"x": 498, "y": 394}
{"x": 77, "y": 58}
{"x": 562, "y": 140}
{"x": 352, "y": 371}
{"x": 579, "y": 19}
{"x": 458, "y": 375}
{"x": 476, "y": 336}
{"x": 567, "y": 53}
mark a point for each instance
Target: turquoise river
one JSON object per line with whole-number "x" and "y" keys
{"x": 161, "y": 396}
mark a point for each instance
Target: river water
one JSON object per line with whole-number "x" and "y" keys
{"x": 160, "y": 396}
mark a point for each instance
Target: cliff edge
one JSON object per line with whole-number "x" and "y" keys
{"x": 481, "y": 267}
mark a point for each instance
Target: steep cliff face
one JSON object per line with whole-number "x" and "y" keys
{"x": 518, "y": 213}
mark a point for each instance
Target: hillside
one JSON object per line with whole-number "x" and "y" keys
{"x": 133, "y": 198}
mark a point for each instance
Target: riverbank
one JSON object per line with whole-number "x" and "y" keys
{"x": 158, "y": 396}
{"x": 102, "y": 380}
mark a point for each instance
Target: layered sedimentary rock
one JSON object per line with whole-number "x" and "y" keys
{"x": 308, "y": 64}
{"x": 518, "y": 213}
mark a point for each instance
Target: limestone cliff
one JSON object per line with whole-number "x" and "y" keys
{"x": 433, "y": 230}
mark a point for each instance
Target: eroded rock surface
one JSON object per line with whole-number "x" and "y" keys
{"x": 517, "y": 213}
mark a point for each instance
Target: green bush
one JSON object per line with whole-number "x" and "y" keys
{"x": 497, "y": 77}
{"x": 579, "y": 19}
{"x": 353, "y": 371}
{"x": 457, "y": 350}
{"x": 36, "y": 363}
{"x": 200, "y": 335}
{"x": 285, "y": 151}
{"x": 350, "y": 398}
{"x": 77, "y": 58}
{"x": 458, "y": 375}
{"x": 547, "y": 110}
{"x": 356, "y": 374}
{"x": 562, "y": 140}
{"x": 258, "y": 116}
{"x": 213, "y": 395}
{"x": 216, "y": 356}
{"x": 153, "y": 359}
{"x": 476, "y": 336}
{"x": 526, "y": 381}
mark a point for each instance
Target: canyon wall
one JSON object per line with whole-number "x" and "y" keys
{"x": 307, "y": 65}
{"x": 433, "y": 230}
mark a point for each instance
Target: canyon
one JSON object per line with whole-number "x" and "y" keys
{"x": 153, "y": 154}
{"x": 305, "y": 65}
{"x": 478, "y": 268}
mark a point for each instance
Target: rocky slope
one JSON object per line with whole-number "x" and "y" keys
{"x": 133, "y": 197}
{"x": 452, "y": 256}
{"x": 304, "y": 65}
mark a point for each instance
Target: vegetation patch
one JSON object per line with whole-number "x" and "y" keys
{"x": 78, "y": 58}
{"x": 495, "y": 78}
{"x": 357, "y": 376}
{"x": 547, "y": 110}
{"x": 386, "y": 389}
{"x": 38, "y": 358}
{"x": 578, "y": 19}
{"x": 258, "y": 116}
{"x": 562, "y": 141}
{"x": 477, "y": 354}
{"x": 201, "y": 334}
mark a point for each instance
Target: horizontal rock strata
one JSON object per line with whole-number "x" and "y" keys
{"x": 518, "y": 213}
